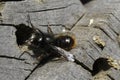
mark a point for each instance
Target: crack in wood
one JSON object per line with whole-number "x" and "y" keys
{"x": 115, "y": 17}
{"x": 83, "y": 65}
{"x": 9, "y": 57}
{"x": 77, "y": 21}
{"x": 117, "y": 20}
{"x": 104, "y": 32}
{"x": 53, "y": 25}
{"x": 62, "y": 25}
{"x": 32, "y": 71}
{"x": 51, "y": 9}
{"x": 110, "y": 77}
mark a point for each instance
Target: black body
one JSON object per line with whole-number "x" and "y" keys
{"x": 42, "y": 44}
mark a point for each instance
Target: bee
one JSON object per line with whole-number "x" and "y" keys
{"x": 45, "y": 45}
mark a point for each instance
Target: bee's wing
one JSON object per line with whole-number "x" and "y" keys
{"x": 67, "y": 55}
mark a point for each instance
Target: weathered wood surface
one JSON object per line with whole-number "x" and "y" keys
{"x": 60, "y": 14}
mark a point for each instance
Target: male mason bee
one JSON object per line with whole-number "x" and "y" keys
{"x": 45, "y": 45}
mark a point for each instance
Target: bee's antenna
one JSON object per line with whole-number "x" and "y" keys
{"x": 29, "y": 22}
{"x": 49, "y": 30}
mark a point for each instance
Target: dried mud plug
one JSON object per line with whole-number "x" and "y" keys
{"x": 114, "y": 63}
{"x": 99, "y": 41}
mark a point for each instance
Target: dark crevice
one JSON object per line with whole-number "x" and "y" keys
{"x": 83, "y": 65}
{"x": 52, "y": 25}
{"x": 46, "y": 10}
{"x": 4, "y": 24}
{"x": 104, "y": 32}
{"x": 31, "y": 72}
{"x": 57, "y": 8}
{"x": 110, "y": 77}
{"x": 77, "y": 20}
{"x": 85, "y": 1}
{"x": 40, "y": 64}
{"x": 9, "y": 57}
{"x": 109, "y": 24}
{"x": 90, "y": 56}
{"x": 114, "y": 30}
{"x": 115, "y": 17}
{"x": 62, "y": 25}
{"x": 117, "y": 20}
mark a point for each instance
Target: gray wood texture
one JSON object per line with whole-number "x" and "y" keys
{"x": 97, "y": 17}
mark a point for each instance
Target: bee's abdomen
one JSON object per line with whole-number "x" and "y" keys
{"x": 65, "y": 42}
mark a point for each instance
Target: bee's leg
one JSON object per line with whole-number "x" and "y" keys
{"x": 29, "y": 21}
{"x": 58, "y": 58}
{"x": 24, "y": 53}
{"x": 21, "y": 54}
{"x": 39, "y": 58}
{"x": 1, "y": 19}
{"x": 49, "y": 30}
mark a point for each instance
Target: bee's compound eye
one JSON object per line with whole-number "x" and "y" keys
{"x": 65, "y": 42}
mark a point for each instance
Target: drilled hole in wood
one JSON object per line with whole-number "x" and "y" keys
{"x": 85, "y": 1}
{"x": 101, "y": 64}
{"x": 23, "y": 33}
